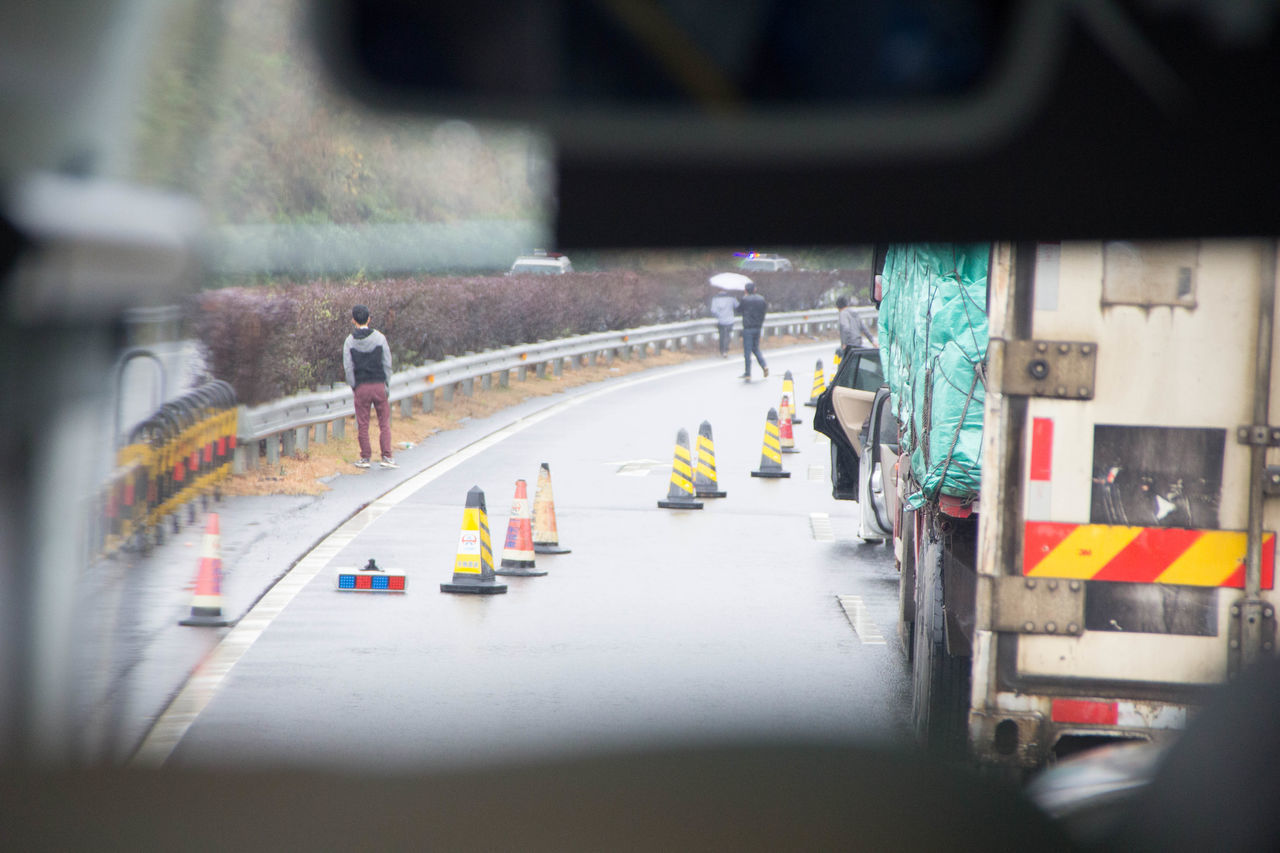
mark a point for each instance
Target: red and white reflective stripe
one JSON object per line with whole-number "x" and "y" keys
{"x": 1121, "y": 713}
{"x": 1040, "y": 470}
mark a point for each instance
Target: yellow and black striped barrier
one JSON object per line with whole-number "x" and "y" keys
{"x": 182, "y": 452}
{"x": 680, "y": 494}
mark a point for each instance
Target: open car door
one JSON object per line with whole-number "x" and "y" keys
{"x": 843, "y": 409}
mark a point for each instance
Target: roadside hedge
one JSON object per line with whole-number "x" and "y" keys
{"x": 269, "y": 342}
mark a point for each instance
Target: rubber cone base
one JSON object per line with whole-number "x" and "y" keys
{"x": 790, "y": 450}
{"x": 794, "y": 420}
{"x": 812, "y": 403}
{"x": 519, "y": 572}
{"x": 205, "y": 618}
{"x": 772, "y": 475}
{"x": 474, "y": 588}
{"x": 711, "y": 494}
{"x": 550, "y": 549}
{"x": 680, "y": 504}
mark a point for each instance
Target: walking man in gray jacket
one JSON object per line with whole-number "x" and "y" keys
{"x": 366, "y": 358}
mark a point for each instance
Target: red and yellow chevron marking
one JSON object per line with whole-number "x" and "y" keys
{"x": 1103, "y": 552}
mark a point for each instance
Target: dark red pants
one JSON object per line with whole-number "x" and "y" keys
{"x": 373, "y": 394}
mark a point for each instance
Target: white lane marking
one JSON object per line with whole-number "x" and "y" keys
{"x": 820, "y": 526}
{"x": 861, "y": 622}
{"x": 639, "y": 467}
{"x": 174, "y": 722}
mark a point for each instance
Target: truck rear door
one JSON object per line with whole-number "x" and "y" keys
{"x": 1115, "y": 612}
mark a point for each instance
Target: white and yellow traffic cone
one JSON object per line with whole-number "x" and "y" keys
{"x": 819, "y": 384}
{"x": 546, "y": 538}
{"x": 680, "y": 495}
{"x": 206, "y": 604}
{"x": 517, "y": 552}
{"x": 704, "y": 473}
{"x": 771, "y": 452}
{"x": 789, "y": 395}
{"x": 473, "y": 567}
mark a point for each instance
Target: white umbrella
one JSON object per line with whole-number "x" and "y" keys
{"x": 729, "y": 281}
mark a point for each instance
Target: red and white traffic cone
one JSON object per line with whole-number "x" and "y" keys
{"x": 517, "y": 552}
{"x": 206, "y": 604}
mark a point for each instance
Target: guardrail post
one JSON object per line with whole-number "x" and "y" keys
{"x": 322, "y": 433}
{"x": 288, "y": 443}
{"x": 486, "y": 382}
{"x": 340, "y": 428}
{"x": 644, "y": 351}
{"x": 522, "y": 373}
{"x": 428, "y": 401}
{"x": 446, "y": 393}
{"x": 406, "y": 406}
{"x": 301, "y": 439}
{"x": 468, "y": 387}
{"x": 504, "y": 378}
{"x": 273, "y": 450}
{"x": 558, "y": 367}
{"x": 542, "y": 370}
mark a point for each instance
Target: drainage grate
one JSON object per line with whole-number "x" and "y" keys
{"x": 820, "y": 525}
{"x": 861, "y": 622}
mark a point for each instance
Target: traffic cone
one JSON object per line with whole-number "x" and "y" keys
{"x": 680, "y": 495}
{"x": 546, "y": 539}
{"x": 786, "y": 440}
{"x": 819, "y": 384}
{"x": 789, "y": 394}
{"x": 517, "y": 553}
{"x": 770, "y": 454}
{"x": 704, "y": 475}
{"x": 473, "y": 567}
{"x": 206, "y": 604}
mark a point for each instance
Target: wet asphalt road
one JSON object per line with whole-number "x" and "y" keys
{"x": 660, "y": 626}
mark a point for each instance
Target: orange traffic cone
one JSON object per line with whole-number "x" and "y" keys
{"x": 704, "y": 475}
{"x": 786, "y": 439}
{"x": 771, "y": 452}
{"x": 206, "y": 604}
{"x": 517, "y": 553}
{"x": 473, "y": 567}
{"x": 819, "y": 384}
{"x": 546, "y": 539}
{"x": 789, "y": 394}
{"x": 680, "y": 495}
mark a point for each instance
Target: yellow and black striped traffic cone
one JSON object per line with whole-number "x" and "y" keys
{"x": 473, "y": 567}
{"x": 819, "y": 384}
{"x": 517, "y": 552}
{"x": 704, "y": 474}
{"x": 546, "y": 538}
{"x": 771, "y": 453}
{"x": 786, "y": 440}
{"x": 680, "y": 495}
{"x": 789, "y": 394}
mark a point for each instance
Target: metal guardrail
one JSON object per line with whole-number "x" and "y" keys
{"x": 286, "y": 425}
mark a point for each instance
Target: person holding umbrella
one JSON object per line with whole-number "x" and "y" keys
{"x": 723, "y": 306}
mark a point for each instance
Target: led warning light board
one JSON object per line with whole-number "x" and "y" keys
{"x": 370, "y": 582}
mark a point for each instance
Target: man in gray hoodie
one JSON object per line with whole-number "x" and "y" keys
{"x": 366, "y": 358}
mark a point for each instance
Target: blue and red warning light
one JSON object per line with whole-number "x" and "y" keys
{"x": 363, "y": 582}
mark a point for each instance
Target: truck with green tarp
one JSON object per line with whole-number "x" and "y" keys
{"x": 1081, "y": 512}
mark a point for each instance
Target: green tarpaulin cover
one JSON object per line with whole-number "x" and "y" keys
{"x": 933, "y": 342}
